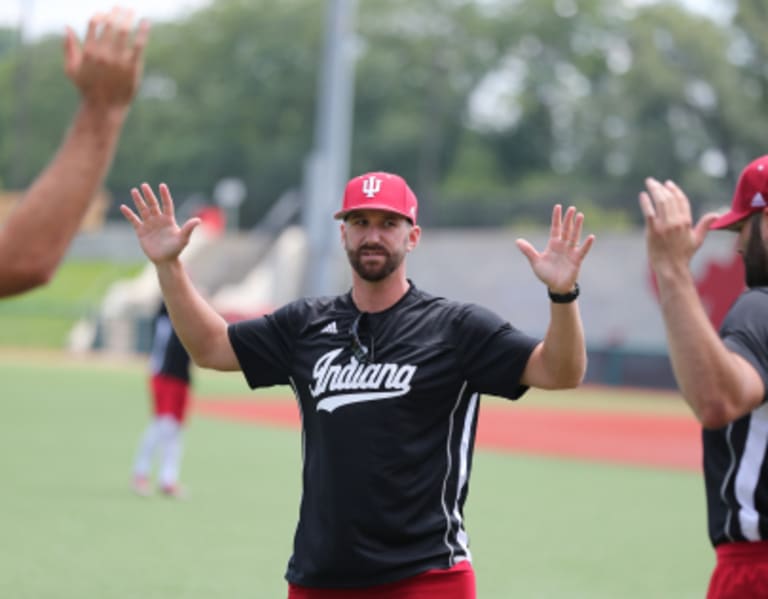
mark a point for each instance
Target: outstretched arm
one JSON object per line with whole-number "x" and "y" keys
{"x": 560, "y": 360}
{"x": 106, "y": 69}
{"x": 718, "y": 384}
{"x": 202, "y": 331}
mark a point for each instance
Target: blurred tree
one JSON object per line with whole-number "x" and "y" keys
{"x": 493, "y": 110}
{"x": 228, "y": 93}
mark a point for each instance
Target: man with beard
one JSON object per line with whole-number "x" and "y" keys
{"x": 388, "y": 379}
{"x": 722, "y": 377}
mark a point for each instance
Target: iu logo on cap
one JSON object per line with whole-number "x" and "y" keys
{"x": 371, "y": 186}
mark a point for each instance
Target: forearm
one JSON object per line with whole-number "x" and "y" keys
{"x": 38, "y": 232}
{"x": 706, "y": 371}
{"x": 563, "y": 351}
{"x": 202, "y": 331}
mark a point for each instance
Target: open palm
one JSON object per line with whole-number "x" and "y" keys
{"x": 558, "y": 265}
{"x": 159, "y": 236}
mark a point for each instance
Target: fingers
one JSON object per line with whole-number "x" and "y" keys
{"x": 189, "y": 226}
{"x": 567, "y": 229}
{"x": 140, "y": 41}
{"x": 146, "y": 202}
{"x": 110, "y": 35}
{"x": 94, "y": 25}
{"x": 585, "y": 247}
{"x": 130, "y": 216}
{"x": 702, "y": 227}
{"x": 573, "y": 226}
{"x": 646, "y": 206}
{"x": 681, "y": 201}
{"x": 141, "y": 206}
{"x": 72, "y": 53}
{"x": 658, "y": 197}
{"x": 150, "y": 200}
{"x": 556, "y": 227}
{"x": 527, "y": 249}
{"x": 665, "y": 202}
{"x": 123, "y": 21}
{"x": 167, "y": 200}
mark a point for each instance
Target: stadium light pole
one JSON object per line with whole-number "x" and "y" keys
{"x": 327, "y": 166}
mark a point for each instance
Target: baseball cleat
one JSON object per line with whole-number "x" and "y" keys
{"x": 141, "y": 486}
{"x": 173, "y": 491}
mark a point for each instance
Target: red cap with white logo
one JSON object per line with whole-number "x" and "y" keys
{"x": 379, "y": 191}
{"x": 751, "y": 194}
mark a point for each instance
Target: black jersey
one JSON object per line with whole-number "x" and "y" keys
{"x": 168, "y": 356}
{"x": 389, "y": 404}
{"x": 735, "y": 468}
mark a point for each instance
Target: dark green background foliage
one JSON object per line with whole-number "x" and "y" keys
{"x": 589, "y": 102}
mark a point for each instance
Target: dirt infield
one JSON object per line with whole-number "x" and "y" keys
{"x": 666, "y": 441}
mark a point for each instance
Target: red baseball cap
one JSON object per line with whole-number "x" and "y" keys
{"x": 751, "y": 194}
{"x": 379, "y": 191}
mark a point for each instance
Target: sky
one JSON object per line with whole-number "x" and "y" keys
{"x": 40, "y": 17}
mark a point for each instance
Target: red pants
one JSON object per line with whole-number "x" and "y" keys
{"x": 741, "y": 571}
{"x": 170, "y": 396}
{"x": 455, "y": 583}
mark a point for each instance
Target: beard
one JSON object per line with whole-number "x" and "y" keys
{"x": 374, "y": 272}
{"x": 756, "y": 256}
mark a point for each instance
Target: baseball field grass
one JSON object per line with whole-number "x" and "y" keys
{"x": 540, "y": 527}
{"x": 45, "y": 316}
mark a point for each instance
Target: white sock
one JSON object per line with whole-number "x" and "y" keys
{"x": 172, "y": 451}
{"x": 142, "y": 465}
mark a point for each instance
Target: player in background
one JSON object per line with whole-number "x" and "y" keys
{"x": 169, "y": 386}
{"x": 723, "y": 377}
{"x": 388, "y": 379}
{"x": 106, "y": 70}
{"x": 170, "y": 381}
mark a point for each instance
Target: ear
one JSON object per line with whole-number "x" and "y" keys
{"x": 413, "y": 237}
{"x": 764, "y": 223}
{"x": 342, "y": 233}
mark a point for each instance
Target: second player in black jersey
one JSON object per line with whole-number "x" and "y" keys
{"x": 388, "y": 379}
{"x": 724, "y": 379}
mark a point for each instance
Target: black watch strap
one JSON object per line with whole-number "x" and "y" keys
{"x": 565, "y": 298}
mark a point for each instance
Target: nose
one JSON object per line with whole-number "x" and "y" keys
{"x": 373, "y": 234}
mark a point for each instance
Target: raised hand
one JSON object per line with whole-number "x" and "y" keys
{"x": 160, "y": 237}
{"x": 107, "y": 67}
{"x": 559, "y": 264}
{"x": 669, "y": 232}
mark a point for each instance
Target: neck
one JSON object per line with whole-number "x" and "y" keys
{"x": 379, "y": 295}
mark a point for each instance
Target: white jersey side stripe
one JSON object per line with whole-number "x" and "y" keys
{"x": 748, "y": 473}
{"x": 727, "y": 480}
{"x": 461, "y": 535}
{"x": 448, "y": 468}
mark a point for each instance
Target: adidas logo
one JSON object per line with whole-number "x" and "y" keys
{"x": 330, "y": 328}
{"x": 758, "y": 201}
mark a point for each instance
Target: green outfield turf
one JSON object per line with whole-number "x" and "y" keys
{"x": 44, "y": 317}
{"x": 70, "y": 528}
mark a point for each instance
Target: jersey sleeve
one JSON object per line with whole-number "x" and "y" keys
{"x": 492, "y": 353}
{"x": 745, "y": 331}
{"x": 264, "y": 346}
